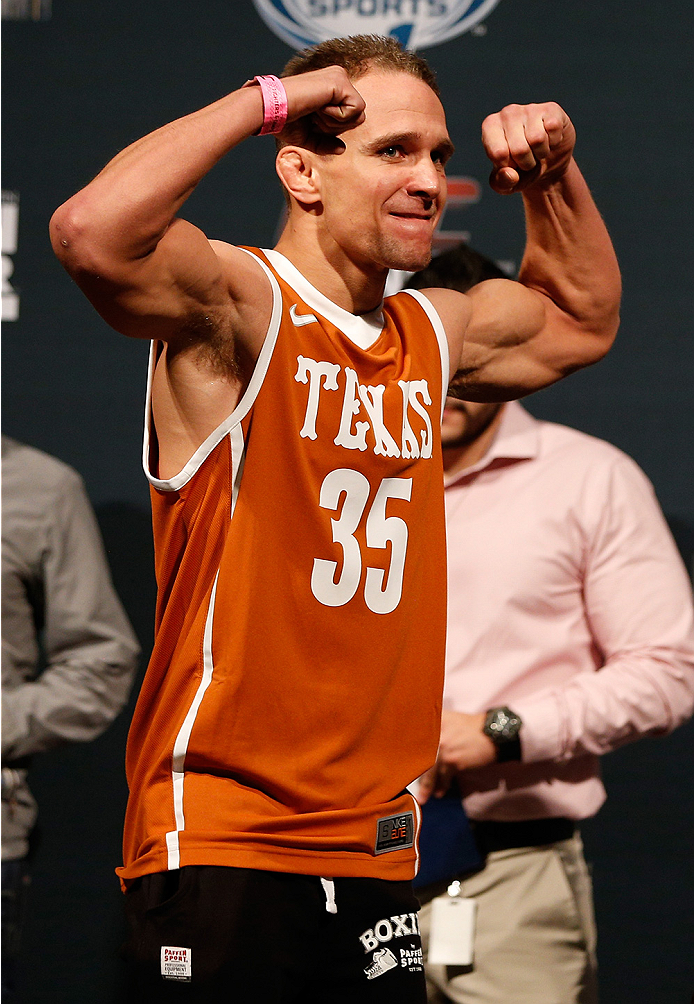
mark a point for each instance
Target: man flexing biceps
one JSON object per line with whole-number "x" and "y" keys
{"x": 295, "y": 463}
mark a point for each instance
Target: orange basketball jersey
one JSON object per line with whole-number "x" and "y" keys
{"x": 295, "y": 684}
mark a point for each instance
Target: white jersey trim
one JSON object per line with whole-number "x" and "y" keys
{"x": 238, "y": 459}
{"x": 362, "y": 329}
{"x": 238, "y": 414}
{"x": 418, "y": 827}
{"x": 440, "y": 332}
{"x": 183, "y": 738}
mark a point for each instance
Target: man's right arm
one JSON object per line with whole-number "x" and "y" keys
{"x": 151, "y": 274}
{"x": 90, "y": 648}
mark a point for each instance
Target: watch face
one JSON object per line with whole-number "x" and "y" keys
{"x": 502, "y": 725}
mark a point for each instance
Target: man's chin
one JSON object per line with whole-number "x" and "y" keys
{"x": 408, "y": 259}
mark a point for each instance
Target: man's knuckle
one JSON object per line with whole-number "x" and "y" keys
{"x": 498, "y": 151}
{"x": 552, "y": 119}
{"x": 536, "y": 137}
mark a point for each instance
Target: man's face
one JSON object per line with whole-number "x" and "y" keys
{"x": 382, "y": 196}
{"x": 464, "y": 421}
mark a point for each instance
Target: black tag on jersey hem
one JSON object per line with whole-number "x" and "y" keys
{"x": 394, "y": 833}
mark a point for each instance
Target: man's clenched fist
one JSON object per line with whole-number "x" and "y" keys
{"x": 527, "y": 144}
{"x": 328, "y": 96}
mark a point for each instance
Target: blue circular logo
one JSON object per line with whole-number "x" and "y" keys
{"x": 416, "y": 24}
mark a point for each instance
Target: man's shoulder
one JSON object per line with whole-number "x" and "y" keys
{"x": 582, "y": 474}
{"x": 451, "y": 309}
{"x": 580, "y": 465}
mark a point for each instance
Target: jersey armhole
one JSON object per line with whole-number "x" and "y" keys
{"x": 440, "y": 332}
{"x": 230, "y": 423}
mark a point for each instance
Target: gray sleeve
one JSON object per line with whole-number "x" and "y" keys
{"x": 91, "y": 651}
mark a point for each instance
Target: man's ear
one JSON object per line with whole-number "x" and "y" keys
{"x": 298, "y": 172}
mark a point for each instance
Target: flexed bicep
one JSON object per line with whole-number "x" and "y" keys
{"x": 490, "y": 330}
{"x": 179, "y": 281}
{"x": 507, "y": 340}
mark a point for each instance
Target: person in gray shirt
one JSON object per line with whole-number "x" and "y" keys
{"x": 59, "y": 611}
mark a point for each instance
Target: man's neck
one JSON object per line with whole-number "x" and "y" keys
{"x": 358, "y": 290}
{"x": 456, "y": 459}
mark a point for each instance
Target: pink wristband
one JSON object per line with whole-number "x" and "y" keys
{"x": 274, "y": 103}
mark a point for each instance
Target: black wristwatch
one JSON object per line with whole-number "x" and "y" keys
{"x": 503, "y": 728}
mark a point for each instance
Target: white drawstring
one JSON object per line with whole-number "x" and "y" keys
{"x": 329, "y": 889}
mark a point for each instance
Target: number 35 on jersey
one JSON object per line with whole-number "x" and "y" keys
{"x": 381, "y": 593}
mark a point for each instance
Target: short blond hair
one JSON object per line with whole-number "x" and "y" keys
{"x": 358, "y": 54}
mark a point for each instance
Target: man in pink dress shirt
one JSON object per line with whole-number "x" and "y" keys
{"x": 570, "y": 630}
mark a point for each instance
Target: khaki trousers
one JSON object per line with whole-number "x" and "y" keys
{"x": 535, "y": 932}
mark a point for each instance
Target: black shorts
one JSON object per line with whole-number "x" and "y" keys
{"x": 210, "y": 934}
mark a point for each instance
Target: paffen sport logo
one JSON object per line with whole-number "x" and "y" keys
{"x": 417, "y": 24}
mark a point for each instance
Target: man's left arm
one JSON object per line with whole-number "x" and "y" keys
{"x": 513, "y": 338}
{"x": 638, "y": 604}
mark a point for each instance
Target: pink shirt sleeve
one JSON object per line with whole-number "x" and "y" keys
{"x": 638, "y": 603}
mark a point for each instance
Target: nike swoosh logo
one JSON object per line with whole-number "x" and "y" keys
{"x": 298, "y": 320}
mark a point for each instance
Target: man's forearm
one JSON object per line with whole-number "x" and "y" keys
{"x": 71, "y": 702}
{"x": 635, "y": 695}
{"x": 569, "y": 256}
